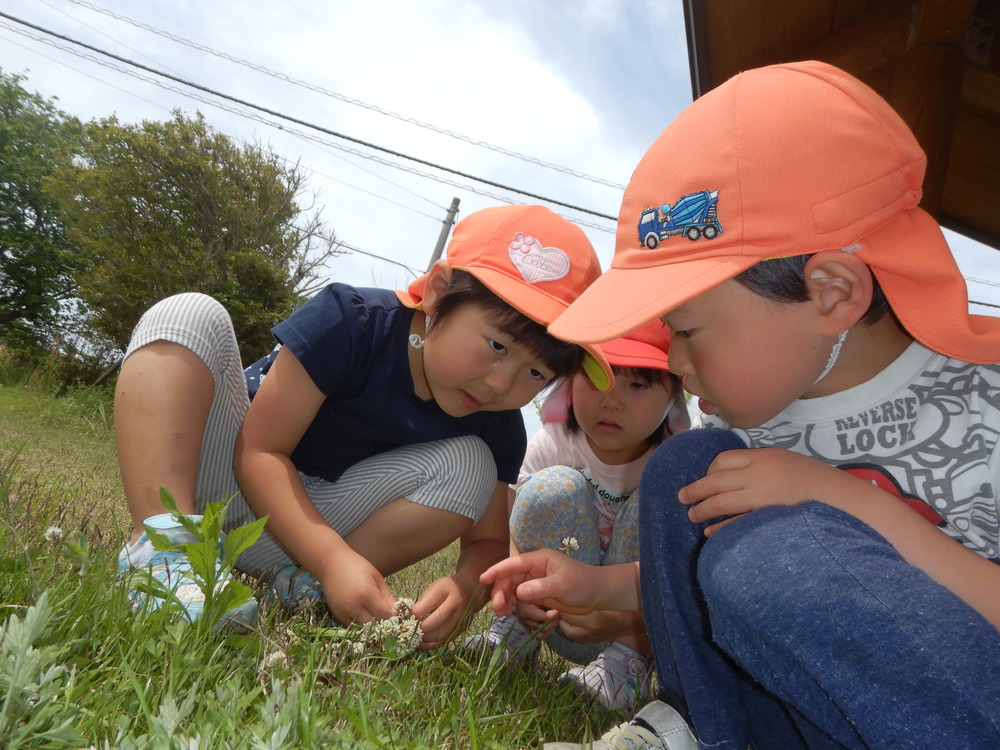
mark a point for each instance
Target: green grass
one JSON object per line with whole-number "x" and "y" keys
{"x": 78, "y": 668}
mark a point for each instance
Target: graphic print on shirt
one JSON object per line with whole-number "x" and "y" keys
{"x": 934, "y": 442}
{"x": 876, "y": 476}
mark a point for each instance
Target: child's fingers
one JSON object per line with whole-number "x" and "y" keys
{"x": 436, "y": 629}
{"x": 376, "y": 608}
{"x": 428, "y": 602}
{"x": 501, "y": 600}
{"x": 534, "y": 617}
{"x": 544, "y": 592}
{"x": 506, "y": 568}
{"x": 724, "y": 475}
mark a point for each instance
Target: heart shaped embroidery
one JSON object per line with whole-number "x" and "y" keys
{"x": 536, "y": 263}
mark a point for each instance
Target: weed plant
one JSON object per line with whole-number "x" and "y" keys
{"x": 80, "y": 669}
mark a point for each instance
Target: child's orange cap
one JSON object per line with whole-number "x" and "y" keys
{"x": 647, "y": 347}
{"x": 784, "y": 160}
{"x": 533, "y": 259}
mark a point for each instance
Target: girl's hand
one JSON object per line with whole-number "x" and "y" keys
{"x": 739, "y": 481}
{"x": 601, "y": 625}
{"x": 534, "y": 618}
{"x": 354, "y": 589}
{"x": 443, "y": 611}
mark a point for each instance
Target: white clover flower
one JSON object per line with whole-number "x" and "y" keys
{"x": 277, "y": 659}
{"x": 396, "y": 636}
{"x": 53, "y": 534}
{"x": 569, "y": 544}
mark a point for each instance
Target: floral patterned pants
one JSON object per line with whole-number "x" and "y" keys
{"x": 556, "y": 503}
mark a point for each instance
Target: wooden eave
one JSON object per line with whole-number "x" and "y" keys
{"x": 933, "y": 60}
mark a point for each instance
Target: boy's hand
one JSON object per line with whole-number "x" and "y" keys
{"x": 355, "y": 591}
{"x": 544, "y": 577}
{"x": 740, "y": 481}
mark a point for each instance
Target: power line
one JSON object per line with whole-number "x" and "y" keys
{"x": 301, "y": 122}
{"x": 147, "y": 57}
{"x": 984, "y": 304}
{"x": 257, "y": 118}
{"x": 313, "y": 138}
{"x": 983, "y": 281}
{"x": 335, "y": 134}
{"x": 103, "y": 33}
{"x": 347, "y": 99}
{"x": 331, "y": 239}
{"x": 59, "y": 62}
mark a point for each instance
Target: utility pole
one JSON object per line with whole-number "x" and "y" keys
{"x": 448, "y": 223}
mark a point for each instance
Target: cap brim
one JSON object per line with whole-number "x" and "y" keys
{"x": 629, "y": 353}
{"x": 623, "y": 300}
{"x": 534, "y": 304}
{"x": 543, "y": 309}
{"x": 524, "y": 298}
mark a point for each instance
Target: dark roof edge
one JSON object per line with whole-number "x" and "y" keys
{"x": 694, "y": 27}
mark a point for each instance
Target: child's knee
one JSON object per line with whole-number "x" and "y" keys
{"x": 193, "y": 320}
{"x": 760, "y": 568}
{"x": 686, "y": 456}
{"x": 195, "y": 305}
{"x": 550, "y": 505}
{"x": 461, "y": 467}
{"x": 551, "y": 484}
{"x": 558, "y": 492}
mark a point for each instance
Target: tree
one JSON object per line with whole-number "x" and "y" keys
{"x": 167, "y": 207}
{"x": 36, "y": 258}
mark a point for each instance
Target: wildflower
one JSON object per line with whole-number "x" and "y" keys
{"x": 569, "y": 544}
{"x": 278, "y": 659}
{"x": 53, "y": 534}
{"x": 395, "y": 636}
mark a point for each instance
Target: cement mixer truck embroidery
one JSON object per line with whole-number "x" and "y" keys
{"x": 694, "y": 216}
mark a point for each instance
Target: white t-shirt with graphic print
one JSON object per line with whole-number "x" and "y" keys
{"x": 926, "y": 428}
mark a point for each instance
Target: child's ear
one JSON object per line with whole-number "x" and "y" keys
{"x": 437, "y": 282}
{"x": 840, "y": 285}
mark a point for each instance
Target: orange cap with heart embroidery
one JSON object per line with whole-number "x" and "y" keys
{"x": 533, "y": 259}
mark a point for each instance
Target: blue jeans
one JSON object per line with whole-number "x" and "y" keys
{"x": 801, "y": 627}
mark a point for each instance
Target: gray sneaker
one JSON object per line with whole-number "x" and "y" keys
{"x": 619, "y": 677}
{"x": 656, "y": 727}
{"x": 506, "y": 633}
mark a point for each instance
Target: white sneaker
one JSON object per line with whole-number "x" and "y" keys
{"x": 619, "y": 677}
{"x": 506, "y": 633}
{"x": 656, "y": 727}
{"x": 173, "y": 570}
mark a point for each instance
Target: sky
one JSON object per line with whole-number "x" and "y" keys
{"x": 557, "y": 99}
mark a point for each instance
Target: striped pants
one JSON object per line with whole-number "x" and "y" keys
{"x": 457, "y": 475}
